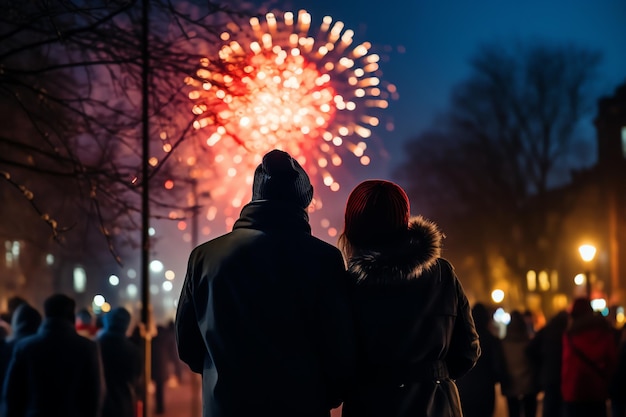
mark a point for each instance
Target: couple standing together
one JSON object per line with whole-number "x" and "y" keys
{"x": 277, "y": 326}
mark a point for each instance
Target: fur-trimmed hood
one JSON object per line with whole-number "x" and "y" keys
{"x": 405, "y": 259}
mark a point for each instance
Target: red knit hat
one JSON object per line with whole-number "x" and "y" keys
{"x": 377, "y": 211}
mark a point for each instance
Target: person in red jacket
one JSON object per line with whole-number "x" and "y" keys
{"x": 588, "y": 360}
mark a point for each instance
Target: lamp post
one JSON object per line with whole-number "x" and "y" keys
{"x": 587, "y": 253}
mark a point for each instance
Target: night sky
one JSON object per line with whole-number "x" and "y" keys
{"x": 439, "y": 36}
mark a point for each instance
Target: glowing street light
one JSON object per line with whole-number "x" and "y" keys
{"x": 497, "y": 295}
{"x": 587, "y": 253}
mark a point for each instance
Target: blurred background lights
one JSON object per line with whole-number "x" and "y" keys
{"x": 501, "y": 316}
{"x": 579, "y": 279}
{"x": 497, "y": 295}
{"x": 98, "y": 300}
{"x": 114, "y": 280}
{"x": 170, "y": 275}
{"x": 132, "y": 290}
{"x": 79, "y": 279}
{"x": 599, "y": 304}
{"x": 167, "y": 286}
{"x": 156, "y": 266}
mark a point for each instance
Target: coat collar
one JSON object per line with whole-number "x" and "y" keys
{"x": 405, "y": 259}
{"x": 269, "y": 215}
{"x": 54, "y": 324}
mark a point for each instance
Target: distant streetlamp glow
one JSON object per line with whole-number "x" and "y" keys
{"x": 579, "y": 279}
{"x": 587, "y": 253}
{"x": 497, "y": 295}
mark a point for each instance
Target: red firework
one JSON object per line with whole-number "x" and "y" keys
{"x": 274, "y": 85}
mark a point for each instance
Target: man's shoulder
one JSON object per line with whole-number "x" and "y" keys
{"x": 28, "y": 343}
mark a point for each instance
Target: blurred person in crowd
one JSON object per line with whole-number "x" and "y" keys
{"x": 530, "y": 320}
{"x": 545, "y": 352}
{"x": 25, "y": 322}
{"x": 172, "y": 352}
{"x": 414, "y": 328}
{"x": 55, "y": 372}
{"x": 617, "y": 388}
{"x": 4, "y": 332}
{"x": 12, "y": 305}
{"x": 162, "y": 345}
{"x": 478, "y": 387}
{"x": 588, "y": 362}
{"x": 85, "y": 323}
{"x": 121, "y": 360}
{"x": 519, "y": 386}
{"x": 263, "y": 313}
{"x": 5, "y": 318}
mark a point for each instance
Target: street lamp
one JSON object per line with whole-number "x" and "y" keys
{"x": 587, "y": 253}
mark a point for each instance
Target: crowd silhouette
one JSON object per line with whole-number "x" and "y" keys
{"x": 75, "y": 363}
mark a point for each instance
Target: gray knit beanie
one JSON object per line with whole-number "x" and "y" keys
{"x": 280, "y": 177}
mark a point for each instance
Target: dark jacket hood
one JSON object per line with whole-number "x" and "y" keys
{"x": 407, "y": 258}
{"x": 25, "y": 321}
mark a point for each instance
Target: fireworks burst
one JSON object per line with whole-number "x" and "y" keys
{"x": 274, "y": 85}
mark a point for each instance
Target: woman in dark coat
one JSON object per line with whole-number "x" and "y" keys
{"x": 478, "y": 387}
{"x": 415, "y": 333}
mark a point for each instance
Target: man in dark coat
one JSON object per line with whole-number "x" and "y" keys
{"x": 121, "y": 359}
{"x": 263, "y": 313}
{"x": 55, "y": 372}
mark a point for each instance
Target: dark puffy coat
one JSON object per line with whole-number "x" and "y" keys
{"x": 264, "y": 316}
{"x": 55, "y": 372}
{"x": 415, "y": 332}
{"x": 121, "y": 359}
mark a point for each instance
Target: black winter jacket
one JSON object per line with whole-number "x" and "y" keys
{"x": 264, "y": 317}
{"x": 55, "y": 372}
{"x": 415, "y": 332}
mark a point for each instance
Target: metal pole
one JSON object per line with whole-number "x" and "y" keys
{"x": 195, "y": 383}
{"x": 145, "y": 207}
{"x": 588, "y": 283}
